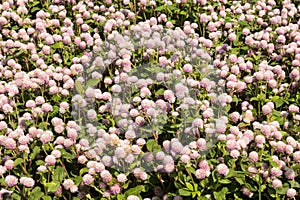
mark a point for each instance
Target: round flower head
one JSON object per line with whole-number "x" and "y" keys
{"x": 291, "y": 193}
{"x": 276, "y": 183}
{"x": 11, "y": 180}
{"x": 222, "y": 169}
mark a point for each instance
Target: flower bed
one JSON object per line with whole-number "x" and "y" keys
{"x": 149, "y": 99}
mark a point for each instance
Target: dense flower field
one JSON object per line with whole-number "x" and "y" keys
{"x": 149, "y": 99}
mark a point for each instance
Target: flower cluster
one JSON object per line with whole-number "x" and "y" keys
{"x": 148, "y": 99}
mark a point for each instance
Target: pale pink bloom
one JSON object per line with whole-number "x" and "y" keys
{"x": 276, "y": 183}
{"x": 169, "y": 95}
{"x": 291, "y": 193}
{"x": 68, "y": 183}
{"x": 266, "y": 110}
{"x": 106, "y": 176}
{"x": 11, "y": 180}
{"x": 222, "y": 169}
{"x": 9, "y": 164}
{"x": 10, "y": 143}
{"x": 87, "y": 179}
{"x": 248, "y": 116}
{"x": 50, "y": 160}
{"x": 121, "y": 178}
{"x": 27, "y": 181}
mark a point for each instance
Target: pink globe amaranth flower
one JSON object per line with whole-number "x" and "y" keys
{"x": 11, "y": 180}
{"x": 201, "y": 144}
{"x": 3, "y": 125}
{"x": 185, "y": 159}
{"x": 253, "y": 170}
{"x": 27, "y": 182}
{"x": 87, "y": 179}
{"x": 248, "y": 116}
{"x": 235, "y": 153}
{"x": 296, "y": 156}
{"x": 39, "y": 100}
{"x": 169, "y": 168}
{"x": 46, "y": 137}
{"x": 145, "y": 91}
{"x": 200, "y": 173}
{"x": 46, "y": 107}
{"x": 50, "y": 160}
{"x": 169, "y": 96}
{"x": 288, "y": 149}
{"x": 253, "y": 156}
{"x": 82, "y": 159}
{"x": 91, "y": 114}
{"x": 56, "y": 153}
{"x": 235, "y": 116}
{"x": 222, "y": 169}
{"x": 275, "y": 172}
{"x": 266, "y": 110}
{"x": 133, "y": 197}
{"x": 290, "y": 174}
{"x": 2, "y": 170}
{"x": 295, "y": 74}
{"x": 188, "y": 68}
{"x": 234, "y": 130}
{"x": 68, "y": 142}
{"x": 115, "y": 189}
{"x": 121, "y": 178}
{"x": 276, "y": 183}
{"x": 293, "y": 109}
{"x": 30, "y": 104}
{"x": 10, "y": 143}
{"x": 291, "y": 193}
{"x": 247, "y": 192}
{"x": 231, "y": 144}
{"x": 68, "y": 183}
{"x": 106, "y": 176}
{"x": 9, "y": 164}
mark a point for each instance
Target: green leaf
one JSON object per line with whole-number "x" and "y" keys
{"x": 59, "y": 174}
{"x": 52, "y": 186}
{"x": 66, "y": 154}
{"x": 278, "y": 101}
{"x": 35, "y": 9}
{"x": 152, "y": 145}
{"x": 120, "y": 197}
{"x": 43, "y": 125}
{"x": 92, "y": 82}
{"x": 135, "y": 191}
{"x": 294, "y": 184}
{"x": 221, "y": 195}
{"x": 35, "y": 151}
{"x": 241, "y": 181}
{"x": 184, "y": 192}
{"x": 39, "y": 162}
{"x": 36, "y": 194}
{"x": 57, "y": 45}
{"x": 83, "y": 170}
{"x": 160, "y": 92}
{"x": 79, "y": 87}
{"x": 46, "y": 198}
{"x": 189, "y": 186}
{"x": 78, "y": 180}
{"x": 18, "y": 161}
{"x": 14, "y": 196}
{"x": 224, "y": 181}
